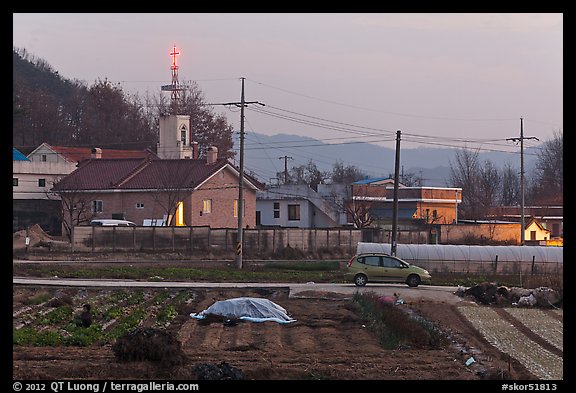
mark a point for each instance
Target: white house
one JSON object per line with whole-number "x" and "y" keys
{"x": 299, "y": 206}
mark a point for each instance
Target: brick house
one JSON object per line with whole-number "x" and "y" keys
{"x": 178, "y": 192}
{"x": 428, "y": 205}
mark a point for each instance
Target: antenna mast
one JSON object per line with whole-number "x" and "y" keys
{"x": 174, "y": 88}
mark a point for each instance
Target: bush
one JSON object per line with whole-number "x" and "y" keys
{"x": 149, "y": 344}
{"x": 395, "y": 327}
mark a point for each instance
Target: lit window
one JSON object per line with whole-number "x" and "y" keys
{"x": 207, "y": 206}
{"x": 236, "y": 208}
{"x": 180, "y": 214}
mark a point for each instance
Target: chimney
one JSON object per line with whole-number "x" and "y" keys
{"x": 211, "y": 155}
{"x": 194, "y": 150}
{"x": 96, "y": 152}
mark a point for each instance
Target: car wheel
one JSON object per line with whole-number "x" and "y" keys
{"x": 360, "y": 280}
{"x": 413, "y": 281}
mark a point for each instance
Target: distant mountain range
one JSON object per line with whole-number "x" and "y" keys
{"x": 264, "y": 156}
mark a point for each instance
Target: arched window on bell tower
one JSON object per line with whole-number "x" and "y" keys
{"x": 183, "y": 133}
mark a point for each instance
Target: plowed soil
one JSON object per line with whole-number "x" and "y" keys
{"x": 329, "y": 340}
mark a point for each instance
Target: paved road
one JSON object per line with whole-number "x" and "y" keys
{"x": 422, "y": 292}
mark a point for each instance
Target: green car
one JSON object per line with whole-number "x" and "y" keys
{"x": 379, "y": 267}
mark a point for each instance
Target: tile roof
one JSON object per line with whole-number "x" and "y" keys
{"x": 139, "y": 174}
{"x": 172, "y": 173}
{"x": 78, "y": 154}
{"x": 100, "y": 173}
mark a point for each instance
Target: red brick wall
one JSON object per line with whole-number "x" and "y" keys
{"x": 221, "y": 188}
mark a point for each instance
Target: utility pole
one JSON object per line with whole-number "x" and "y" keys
{"x": 240, "y": 205}
{"x": 285, "y": 167}
{"x": 395, "y": 208}
{"x": 521, "y": 139}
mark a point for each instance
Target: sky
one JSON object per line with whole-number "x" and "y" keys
{"x": 458, "y": 80}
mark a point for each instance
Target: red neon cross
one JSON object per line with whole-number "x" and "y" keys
{"x": 173, "y": 54}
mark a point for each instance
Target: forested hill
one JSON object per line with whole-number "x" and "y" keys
{"x": 47, "y": 107}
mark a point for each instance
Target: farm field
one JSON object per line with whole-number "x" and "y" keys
{"x": 329, "y": 340}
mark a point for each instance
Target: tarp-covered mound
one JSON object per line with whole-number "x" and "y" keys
{"x": 251, "y": 309}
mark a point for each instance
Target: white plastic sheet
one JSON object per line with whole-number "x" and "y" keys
{"x": 247, "y": 308}
{"x": 416, "y": 253}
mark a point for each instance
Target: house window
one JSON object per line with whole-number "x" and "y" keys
{"x": 207, "y": 206}
{"x": 43, "y": 158}
{"x": 14, "y": 182}
{"x": 97, "y": 207}
{"x": 41, "y": 182}
{"x": 139, "y": 206}
{"x": 236, "y": 208}
{"x": 276, "y": 209}
{"x": 293, "y": 212}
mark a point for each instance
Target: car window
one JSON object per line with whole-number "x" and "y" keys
{"x": 391, "y": 262}
{"x": 372, "y": 260}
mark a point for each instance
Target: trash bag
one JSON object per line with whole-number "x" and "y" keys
{"x": 527, "y": 301}
{"x": 246, "y": 308}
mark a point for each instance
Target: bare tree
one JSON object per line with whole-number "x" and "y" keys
{"x": 77, "y": 206}
{"x": 464, "y": 174}
{"x": 488, "y": 186}
{"x": 510, "y": 189}
{"x": 346, "y": 174}
{"x": 358, "y": 208}
{"x": 548, "y": 186}
{"x": 359, "y": 213}
{"x": 306, "y": 174}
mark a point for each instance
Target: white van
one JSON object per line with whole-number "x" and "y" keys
{"x": 105, "y": 222}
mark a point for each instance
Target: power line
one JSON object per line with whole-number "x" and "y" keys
{"x": 379, "y": 110}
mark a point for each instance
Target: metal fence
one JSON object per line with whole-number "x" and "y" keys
{"x": 137, "y": 239}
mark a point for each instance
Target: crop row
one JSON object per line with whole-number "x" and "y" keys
{"x": 504, "y": 336}
{"x": 113, "y": 312}
{"x": 536, "y": 320}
